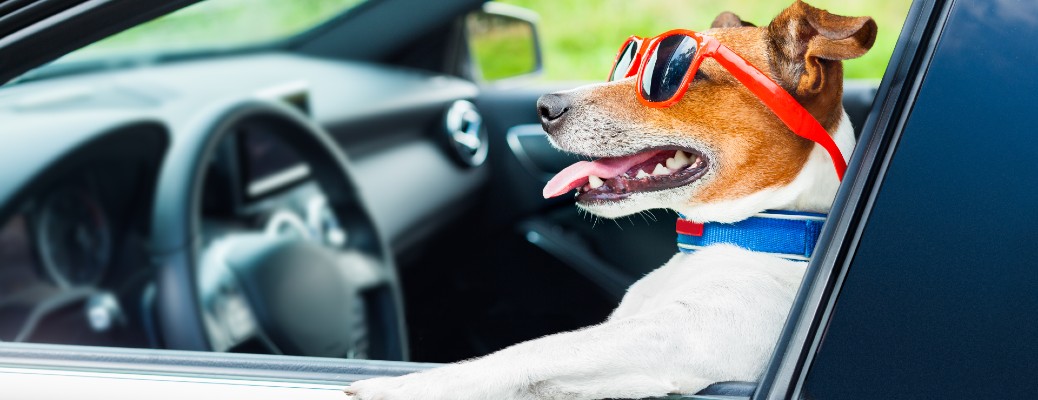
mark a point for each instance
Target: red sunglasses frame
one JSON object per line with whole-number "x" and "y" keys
{"x": 785, "y": 107}
{"x": 635, "y": 62}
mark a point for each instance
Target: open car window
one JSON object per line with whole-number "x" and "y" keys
{"x": 459, "y": 275}
{"x": 212, "y": 26}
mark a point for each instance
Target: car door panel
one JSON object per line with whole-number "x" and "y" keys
{"x": 38, "y": 371}
{"x": 31, "y": 384}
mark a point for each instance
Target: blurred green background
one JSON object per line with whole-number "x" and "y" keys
{"x": 581, "y": 37}
{"x": 501, "y": 47}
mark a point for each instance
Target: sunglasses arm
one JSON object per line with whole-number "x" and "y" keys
{"x": 778, "y": 100}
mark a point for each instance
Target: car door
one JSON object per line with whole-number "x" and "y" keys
{"x": 49, "y": 371}
{"x": 940, "y": 284}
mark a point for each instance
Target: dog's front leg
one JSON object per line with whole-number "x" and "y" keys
{"x": 639, "y": 356}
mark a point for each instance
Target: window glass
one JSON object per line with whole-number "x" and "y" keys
{"x": 931, "y": 302}
{"x": 208, "y": 26}
{"x": 216, "y": 24}
{"x": 474, "y": 277}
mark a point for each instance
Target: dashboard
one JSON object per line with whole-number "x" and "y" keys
{"x": 71, "y": 235}
{"x": 78, "y": 190}
{"x": 22, "y": 280}
{"x": 72, "y": 251}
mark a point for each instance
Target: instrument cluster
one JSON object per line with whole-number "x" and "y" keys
{"x": 57, "y": 249}
{"x": 61, "y": 239}
{"x": 73, "y": 236}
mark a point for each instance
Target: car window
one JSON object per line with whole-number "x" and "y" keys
{"x": 468, "y": 275}
{"x": 579, "y": 40}
{"x": 209, "y": 26}
{"x": 221, "y": 24}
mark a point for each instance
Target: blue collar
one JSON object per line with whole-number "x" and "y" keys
{"x": 787, "y": 234}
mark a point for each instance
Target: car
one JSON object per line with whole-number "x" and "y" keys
{"x": 357, "y": 194}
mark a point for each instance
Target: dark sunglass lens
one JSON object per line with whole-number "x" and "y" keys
{"x": 667, "y": 67}
{"x": 624, "y": 61}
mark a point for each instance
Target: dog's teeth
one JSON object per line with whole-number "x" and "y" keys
{"x": 594, "y": 181}
{"x": 660, "y": 170}
{"x": 681, "y": 158}
{"x": 642, "y": 174}
{"x": 675, "y": 164}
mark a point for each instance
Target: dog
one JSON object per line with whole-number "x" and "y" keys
{"x": 711, "y": 315}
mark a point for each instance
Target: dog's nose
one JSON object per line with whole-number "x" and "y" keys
{"x": 552, "y": 107}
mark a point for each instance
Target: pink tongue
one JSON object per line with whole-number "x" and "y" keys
{"x": 575, "y": 175}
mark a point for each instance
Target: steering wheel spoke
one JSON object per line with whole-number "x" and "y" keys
{"x": 364, "y": 271}
{"x": 227, "y": 315}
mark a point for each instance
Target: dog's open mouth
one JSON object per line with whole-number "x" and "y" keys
{"x": 618, "y": 177}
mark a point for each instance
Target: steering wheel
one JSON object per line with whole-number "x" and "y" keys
{"x": 283, "y": 295}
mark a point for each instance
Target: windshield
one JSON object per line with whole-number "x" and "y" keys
{"x": 211, "y": 26}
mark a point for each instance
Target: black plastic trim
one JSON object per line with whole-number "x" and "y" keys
{"x": 67, "y": 29}
{"x": 19, "y": 14}
{"x": 12, "y": 6}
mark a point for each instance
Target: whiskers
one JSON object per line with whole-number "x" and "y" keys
{"x": 645, "y": 215}
{"x": 584, "y": 214}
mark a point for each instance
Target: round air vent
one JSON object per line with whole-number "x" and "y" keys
{"x": 466, "y": 135}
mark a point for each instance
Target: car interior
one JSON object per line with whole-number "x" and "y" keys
{"x": 359, "y": 190}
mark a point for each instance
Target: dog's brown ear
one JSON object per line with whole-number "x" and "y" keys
{"x": 728, "y": 19}
{"x": 807, "y": 43}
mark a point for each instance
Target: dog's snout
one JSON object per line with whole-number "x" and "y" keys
{"x": 552, "y": 108}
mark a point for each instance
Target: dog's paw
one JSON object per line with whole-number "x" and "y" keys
{"x": 446, "y": 383}
{"x": 407, "y": 387}
{"x": 373, "y": 389}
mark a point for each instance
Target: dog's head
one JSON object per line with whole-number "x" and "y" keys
{"x": 718, "y": 154}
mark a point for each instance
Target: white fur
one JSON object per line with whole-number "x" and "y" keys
{"x": 714, "y": 315}
{"x": 705, "y": 317}
{"x": 812, "y": 190}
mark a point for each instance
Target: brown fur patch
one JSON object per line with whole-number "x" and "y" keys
{"x": 755, "y": 151}
{"x": 806, "y": 47}
{"x": 728, "y": 19}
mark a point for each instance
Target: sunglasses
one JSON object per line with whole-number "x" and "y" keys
{"x": 666, "y": 65}
{"x": 628, "y": 59}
